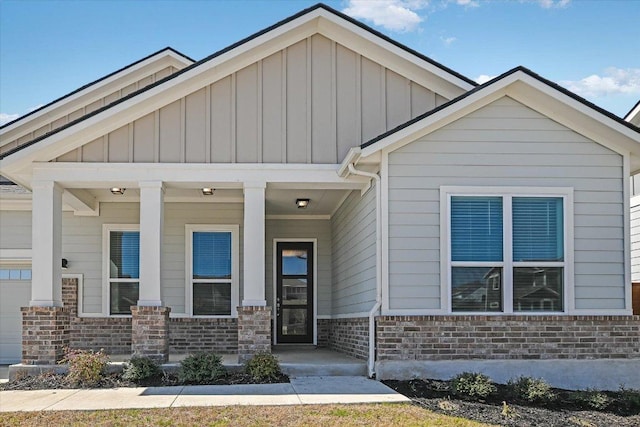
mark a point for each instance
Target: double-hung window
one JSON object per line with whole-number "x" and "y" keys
{"x": 507, "y": 251}
{"x": 122, "y": 244}
{"x": 212, "y": 273}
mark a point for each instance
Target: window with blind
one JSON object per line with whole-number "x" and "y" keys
{"x": 507, "y": 253}
{"x": 124, "y": 270}
{"x": 212, "y": 274}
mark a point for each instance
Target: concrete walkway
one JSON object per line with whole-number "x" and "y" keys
{"x": 300, "y": 391}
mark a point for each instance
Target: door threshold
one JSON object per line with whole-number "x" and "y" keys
{"x": 294, "y": 346}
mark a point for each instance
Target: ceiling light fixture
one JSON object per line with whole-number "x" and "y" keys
{"x": 206, "y": 191}
{"x": 118, "y": 190}
{"x": 302, "y": 203}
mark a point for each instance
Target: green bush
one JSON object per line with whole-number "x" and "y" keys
{"x": 592, "y": 398}
{"x": 531, "y": 389}
{"x": 472, "y": 384}
{"x": 141, "y": 369}
{"x": 263, "y": 367}
{"x": 201, "y": 368}
{"x": 629, "y": 399}
{"x": 86, "y": 367}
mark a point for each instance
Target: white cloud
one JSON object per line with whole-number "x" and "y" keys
{"x": 6, "y": 118}
{"x": 483, "y": 78}
{"x": 550, "y": 4}
{"x": 394, "y": 15}
{"x": 467, "y": 3}
{"x": 614, "y": 81}
{"x": 447, "y": 40}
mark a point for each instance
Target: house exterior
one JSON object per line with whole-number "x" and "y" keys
{"x": 319, "y": 183}
{"x": 633, "y": 116}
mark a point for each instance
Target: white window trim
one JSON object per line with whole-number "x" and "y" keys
{"x": 235, "y": 266}
{"x": 106, "y": 230}
{"x": 566, "y": 193}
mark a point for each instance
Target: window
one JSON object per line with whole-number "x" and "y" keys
{"x": 212, "y": 273}
{"x": 506, "y": 251}
{"x": 15, "y": 274}
{"x": 122, "y": 267}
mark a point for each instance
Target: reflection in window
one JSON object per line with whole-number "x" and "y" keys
{"x": 476, "y": 289}
{"x": 537, "y": 289}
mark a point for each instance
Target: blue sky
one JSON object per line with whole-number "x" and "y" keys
{"x": 50, "y": 48}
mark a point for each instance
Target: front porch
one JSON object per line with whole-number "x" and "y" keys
{"x": 166, "y": 301}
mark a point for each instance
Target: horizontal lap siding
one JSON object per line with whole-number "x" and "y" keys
{"x": 16, "y": 230}
{"x": 308, "y": 103}
{"x": 303, "y": 229}
{"x": 354, "y": 254}
{"x": 505, "y": 144}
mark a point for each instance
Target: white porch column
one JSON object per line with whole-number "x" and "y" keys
{"x": 151, "y": 230}
{"x": 254, "y": 293}
{"x": 46, "y": 241}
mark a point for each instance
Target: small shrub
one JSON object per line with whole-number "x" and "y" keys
{"x": 263, "y": 367}
{"x": 201, "y": 368}
{"x": 141, "y": 369}
{"x": 472, "y": 384}
{"x": 629, "y": 399}
{"x": 592, "y": 398}
{"x": 86, "y": 367}
{"x": 531, "y": 389}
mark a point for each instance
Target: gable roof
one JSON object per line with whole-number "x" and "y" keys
{"x": 91, "y": 85}
{"x": 304, "y": 23}
{"x": 532, "y": 90}
{"x": 634, "y": 114}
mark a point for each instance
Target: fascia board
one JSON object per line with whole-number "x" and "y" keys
{"x": 92, "y": 93}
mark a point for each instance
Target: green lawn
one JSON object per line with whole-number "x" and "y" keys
{"x": 307, "y": 415}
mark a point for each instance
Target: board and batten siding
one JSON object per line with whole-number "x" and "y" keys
{"x": 82, "y": 245}
{"x": 308, "y": 103}
{"x": 302, "y": 229}
{"x": 88, "y": 108}
{"x": 505, "y": 144}
{"x": 16, "y": 229}
{"x": 353, "y": 228}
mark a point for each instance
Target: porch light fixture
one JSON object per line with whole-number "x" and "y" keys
{"x": 302, "y": 203}
{"x": 117, "y": 190}
{"x": 208, "y": 191}
{"x": 65, "y": 264}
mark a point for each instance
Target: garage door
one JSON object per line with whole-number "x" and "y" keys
{"x": 15, "y": 292}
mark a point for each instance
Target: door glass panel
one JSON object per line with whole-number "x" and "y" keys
{"x": 294, "y": 262}
{"x": 294, "y": 291}
{"x": 294, "y": 321}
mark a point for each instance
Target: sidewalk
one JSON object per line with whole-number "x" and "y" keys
{"x": 300, "y": 391}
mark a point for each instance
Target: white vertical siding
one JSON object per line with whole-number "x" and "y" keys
{"x": 505, "y": 144}
{"x": 299, "y": 229}
{"x": 308, "y": 103}
{"x": 354, "y": 254}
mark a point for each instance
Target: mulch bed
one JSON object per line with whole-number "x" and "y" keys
{"x": 501, "y": 408}
{"x": 48, "y": 381}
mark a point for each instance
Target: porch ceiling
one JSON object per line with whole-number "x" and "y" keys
{"x": 278, "y": 201}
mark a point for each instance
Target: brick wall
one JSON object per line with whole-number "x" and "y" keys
{"x": 324, "y": 329}
{"x": 188, "y": 335}
{"x": 507, "y": 337}
{"x": 350, "y": 336}
{"x": 150, "y": 332}
{"x": 113, "y": 334}
{"x": 45, "y": 334}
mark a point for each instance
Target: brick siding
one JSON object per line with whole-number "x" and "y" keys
{"x": 350, "y": 336}
{"x": 45, "y": 334}
{"x": 192, "y": 335}
{"x": 150, "y": 332}
{"x": 324, "y": 329}
{"x": 507, "y": 337}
